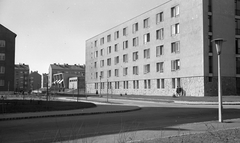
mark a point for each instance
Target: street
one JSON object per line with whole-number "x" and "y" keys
{"x": 152, "y": 116}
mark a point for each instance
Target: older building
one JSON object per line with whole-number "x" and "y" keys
{"x": 34, "y": 80}
{"x": 168, "y": 46}
{"x": 59, "y": 75}
{"x": 21, "y": 83}
{"x": 7, "y": 59}
{"x": 44, "y": 80}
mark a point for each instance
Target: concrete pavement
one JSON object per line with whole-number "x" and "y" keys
{"x": 143, "y": 135}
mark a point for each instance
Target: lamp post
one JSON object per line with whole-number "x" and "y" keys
{"x": 100, "y": 85}
{"x": 218, "y": 43}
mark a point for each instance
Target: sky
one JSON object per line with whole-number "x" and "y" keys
{"x": 55, "y": 31}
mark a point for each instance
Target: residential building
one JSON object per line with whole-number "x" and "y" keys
{"x": 34, "y": 80}
{"x": 21, "y": 83}
{"x": 44, "y": 80}
{"x": 59, "y": 75}
{"x": 7, "y": 59}
{"x": 169, "y": 46}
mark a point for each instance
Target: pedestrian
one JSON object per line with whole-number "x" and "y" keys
{"x": 178, "y": 91}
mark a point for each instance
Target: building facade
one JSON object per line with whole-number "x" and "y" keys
{"x": 7, "y": 59}
{"x": 21, "y": 83}
{"x": 34, "y": 80}
{"x": 44, "y": 80}
{"x": 59, "y": 75}
{"x": 166, "y": 47}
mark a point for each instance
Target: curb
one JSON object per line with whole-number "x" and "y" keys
{"x": 205, "y": 103}
{"x": 69, "y": 114}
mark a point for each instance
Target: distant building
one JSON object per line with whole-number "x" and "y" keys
{"x": 7, "y": 59}
{"x": 21, "y": 78}
{"x": 34, "y": 80}
{"x": 59, "y": 75}
{"x": 166, "y": 47}
{"x": 44, "y": 80}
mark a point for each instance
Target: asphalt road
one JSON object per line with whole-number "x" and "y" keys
{"x": 159, "y": 116}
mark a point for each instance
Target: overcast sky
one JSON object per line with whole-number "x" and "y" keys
{"x": 55, "y": 31}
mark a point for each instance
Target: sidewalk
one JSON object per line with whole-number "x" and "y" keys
{"x": 227, "y": 100}
{"x": 178, "y": 130}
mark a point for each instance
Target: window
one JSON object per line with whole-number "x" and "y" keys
{"x": 125, "y": 31}
{"x": 175, "y": 29}
{"x": 96, "y": 54}
{"x": 116, "y": 35}
{"x": 116, "y": 72}
{"x": 102, "y": 52}
{"x": 175, "y": 11}
{"x": 125, "y": 58}
{"x": 210, "y": 44}
{"x": 146, "y": 68}
{"x": 125, "y": 44}
{"x": 146, "y": 38}
{"x": 109, "y": 49}
{"x": 125, "y": 84}
{"x": 237, "y": 46}
{"x": 175, "y": 47}
{"x": 95, "y": 64}
{"x": 158, "y": 83}
{"x": 135, "y": 70}
{"x": 116, "y": 84}
{"x": 102, "y": 85}
{"x": 2, "y": 70}
{"x": 135, "y": 56}
{"x": 210, "y": 60}
{"x": 159, "y": 67}
{"x": 173, "y": 82}
{"x": 102, "y": 41}
{"x": 109, "y": 38}
{"x": 109, "y": 85}
{"x": 116, "y": 47}
{"x": 134, "y": 27}
{"x": 238, "y": 65}
{"x": 2, "y": 56}
{"x": 160, "y": 34}
{"x": 135, "y": 41}
{"x": 135, "y": 84}
{"x": 116, "y": 60}
{"x": 175, "y": 64}
{"x": 146, "y": 53}
{"x": 109, "y": 61}
{"x": 101, "y": 75}
{"x": 159, "y": 51}
{"x": 96, "y": 85}
{"x": 109, "y": 73}
{"x": 95, "y": 43}
{"x": 1, "y": 82}
{"x": 125, "y": 71}
{"x": 2, "y": 43}
{"x": 146, "y": 23}
{"x": 179, "y": 82}
{"x": 101, "y": 63}
{"x": 159, "y": 17}
{"x": 162, "y": 83}
{"x": 209, "y": 23}
{"x": 237, "y": 7}
{"x": 147, "y": 84}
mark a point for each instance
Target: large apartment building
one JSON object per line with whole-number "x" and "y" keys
{"x": 21, "y": 78}
{"x": 168, "y": 46}
{"x": 7, "y": 59}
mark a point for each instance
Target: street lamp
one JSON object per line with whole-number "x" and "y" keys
{"x": 218, "y": 43}
{"x": 100, "y": 85}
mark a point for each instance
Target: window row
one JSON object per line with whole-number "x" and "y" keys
{"x": 175, "y": 66}
{"x": 135, "y": 43}
{"x": 147, "y": 83}
{"x": 146, "y": 24}
{"x": 175, "y": 48}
